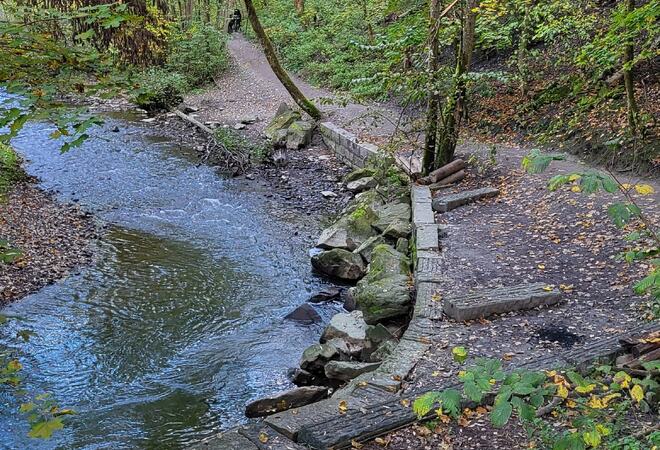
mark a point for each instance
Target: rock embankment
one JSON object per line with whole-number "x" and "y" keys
{"x": 367, "y": 247}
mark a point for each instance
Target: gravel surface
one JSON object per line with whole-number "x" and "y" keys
{"x": 54, "y": 240}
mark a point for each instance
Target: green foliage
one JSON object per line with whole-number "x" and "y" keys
{"x": 10, "y": 170}
{"x": 44, "y": 416}
{"x": 199, "y": 54}
{"x": 537, "y": 162}
{"x": 160, "y": 89}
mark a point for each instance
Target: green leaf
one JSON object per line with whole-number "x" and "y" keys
{"x": 500, "y": 414}
{"x": 523, "y": 389}
{"x": 460, "y": 354}
{"x": 425, "y": 403}
{"x": 45, "y": 429}
{"x": 570, "y": 441}
{"x": 589, "y": 182}
{"x": 609, "y": 185}
{"x": 536, "y": 162}
{"x": 591, "y": 438}
{"x": 472, "y": 391}
{"x": 558, "y": 181}
{"x": 619, "y": 213}
{"x": 450, "y": 400}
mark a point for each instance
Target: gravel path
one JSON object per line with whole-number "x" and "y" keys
{"x": 54, "y": 239}
{"x": 250, "y": 89}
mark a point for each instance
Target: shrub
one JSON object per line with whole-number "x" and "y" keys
{"x": 160, "y": 89}
{"x": 199, "y": 54}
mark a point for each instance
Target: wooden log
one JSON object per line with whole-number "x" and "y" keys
{"x": 446, "y": 182}
{"x": 195, "y": 122}
{"x": 443, "y": 172}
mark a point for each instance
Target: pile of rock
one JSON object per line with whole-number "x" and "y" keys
{"x": 287, "y": 129}
{"x": 367, "y": 245}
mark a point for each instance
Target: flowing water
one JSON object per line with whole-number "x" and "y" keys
{"x": 178, "y": 323}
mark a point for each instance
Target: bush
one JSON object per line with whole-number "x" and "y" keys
{"x": 160, "y": 89}
{"x": 199, "y": 54}
{"x": 195, "y": 56}
{"x": 10, "y": 168}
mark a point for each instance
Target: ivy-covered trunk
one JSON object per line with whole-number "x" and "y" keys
{"x": 455, "y": 105}
{"x": 281, "y": 74}
{"x": 628, "y": 81}
{"x": 433, "y": 105}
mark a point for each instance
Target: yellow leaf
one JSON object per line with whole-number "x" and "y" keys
{"x": 644, "y": 189}
{"x": 380, "y": 441}
{"x": 626, "y": 186}
{"x": 637, "y": 393}
{"x": 608, "y": 398}
{"x": 576, "y": 189}
{"x": 596, "y": 403}
{"x": 263, "y": 438}
{"x": 585, "y": 389}
{"x": 622, "y": 378}
{"x": 562, "y": 391}
{"x": 435, "y": 373}
{"x": 356, "y": 444}
{"x": 405, "y": 403}
{"x": 541, "y": 266}
{"x": 547, "y": 288}
{"x": 603, "y": 430}
{"x": 574, "y": 177}
{"x": 343, "y": 406}
{"x": 570, "y": 403}
{"x": 551, "y": 373}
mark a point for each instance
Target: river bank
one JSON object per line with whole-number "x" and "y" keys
{"x": 54, "y": 239}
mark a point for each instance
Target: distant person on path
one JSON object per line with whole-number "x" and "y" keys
{"x": 235, "y": 21}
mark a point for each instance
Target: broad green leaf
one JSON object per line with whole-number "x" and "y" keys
{"x": 451, "y": 402}
{"x": 500, "y": 414}
{"x": 619, "y": 213}
{"x": 472, "y": 391}
{"x": 591, "y": 438}
{"x": 425, "y": 403}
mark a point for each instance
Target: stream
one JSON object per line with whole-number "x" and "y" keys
{"x": 177, "y": 324}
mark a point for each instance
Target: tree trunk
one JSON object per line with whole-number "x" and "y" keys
{"x": 453, "y": 110}
{"x": 523, "y": 49}
{"x": 188, "y": 13}
{"x": 300, "y": 6}
{"x": 284, "y": 78}
{"x": 433, "y": 104}
{"x": 628, "y": 80}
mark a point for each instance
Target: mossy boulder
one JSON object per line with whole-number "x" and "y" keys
{"x": 395, "y": 214}
{"x": 350, "y": 231}
{"x": 359, "y": 173}
{"x": 366, "y": 249}
{"x": 299, "y": 135}
{"x": 384, "y": 293}
{"x": 340, "y": 263}
{"x": 282, "y": 121}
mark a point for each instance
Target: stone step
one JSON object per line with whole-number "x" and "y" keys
{"x": 229, "y": 440}
{"x": 486, "y": 302}
{"x": 266, "y": 438}
{"x": 453, "y": 201}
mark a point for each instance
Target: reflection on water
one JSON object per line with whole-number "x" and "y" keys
{"x": 178, "y": 324}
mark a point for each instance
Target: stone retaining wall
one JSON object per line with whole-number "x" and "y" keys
{"x": 346, "y": 146}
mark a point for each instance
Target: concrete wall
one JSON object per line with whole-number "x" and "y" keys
{"x": 346, "y": 146}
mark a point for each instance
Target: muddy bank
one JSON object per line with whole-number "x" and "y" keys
{"x": 54, "y": 239}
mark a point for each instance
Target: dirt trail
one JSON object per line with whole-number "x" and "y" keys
{"x": 251, "y": 89}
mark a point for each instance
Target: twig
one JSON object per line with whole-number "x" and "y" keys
{"x": 556, "y": 401}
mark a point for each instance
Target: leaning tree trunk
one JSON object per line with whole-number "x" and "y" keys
{"x": 433, "y": 104}
{"x": 628, "y": 81}
{"x": 453, "y": 110}
{"x": 284, "y": 78}
{"x": 523, "y": 49}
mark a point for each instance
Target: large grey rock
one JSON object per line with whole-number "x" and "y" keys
{"x": 397, "y": 230}
{"x": 347, "y": 370}
{"x": 316, "y": 356}
{"x": 402, "y": 245}
{"x": 362, "y": 184}
{"x": 368, "y": 246}
{"x": 293, "y": 398}
{"x": 326, "y": 295}
{"x": 377, "y": 334}
{"x": 339, "y": 263}
{"x": 299, "y": 135}
{"x": 349, "y": 328}
{"x": 350, "y": 231}
{"x": 304, "y": 313}
{"x": 301, "y": 377}
{"x": 282, "y": 121}
{"x": 391, "y": 214}
{"x": 453, "y": 201}
{"x": 384, "y": 292}
{"x": 359, "y": 173}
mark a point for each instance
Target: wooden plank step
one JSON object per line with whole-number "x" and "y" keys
{"x": 370, "y": 421}
{"x": 486, "y": 302}
{"x": 266, "y": 438}
{"x": 453, "y": 201}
